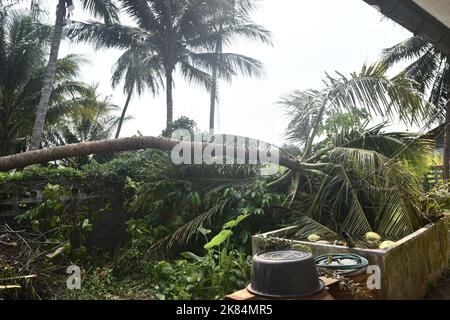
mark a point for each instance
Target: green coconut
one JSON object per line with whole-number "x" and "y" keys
{"x": 386, "y": 244}
{"x": 372, "y": 237}
{"x": 313, "y": 238}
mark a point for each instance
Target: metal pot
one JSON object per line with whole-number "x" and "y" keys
{"x": 284, "y": 274}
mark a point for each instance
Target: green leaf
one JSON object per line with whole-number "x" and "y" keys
{"x": 190, "y": 255}
{"x": 204, "y": 231}
{"x": 86, "y": 225}
{"x": 219, "y": 239}
{"x": 233, "y": 223}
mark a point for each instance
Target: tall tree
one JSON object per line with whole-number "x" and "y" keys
{"x": 336, "y": 178}
{"x": 91, "y": 117}
{"x": 170, "y": 27}
{"x": 177, "y": 32}
{"x": 232, "y": 21}
{"x": 357, "y": 179}
{"x": 370, "y": 92}
{"x": 105, "y": 9}
{"x": 139, "y": 70}
{"x": 23, "y": 45}
{"x": 431, "y": 69}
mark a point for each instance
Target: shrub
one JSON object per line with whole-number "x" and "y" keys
{"x": 209, "y": 277}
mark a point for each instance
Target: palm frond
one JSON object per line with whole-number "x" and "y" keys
{"x": 249, "y": 31}
{"x": 141, "y": 11}
{"x": 106, "y": 36}
{"x": 395, "y": 218}
{"x": 424, "y": 69}
{"x": 195, "y": 75}
{"x": 228, "y": 64}
{"x": 303, "y": 108}
{"x": 409, "y": 49}
{"x": 105, "y": 9}
{"x": 308, "y": 226}
{"x": 440, "y": 91}
{"x": 429, "y": 68}
{"x": 140, "y": 69}
{"x": 185, "y": 233}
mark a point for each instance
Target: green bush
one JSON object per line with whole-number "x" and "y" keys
{"x": 101, "y": 284}
{"x": 59, "y": 222}
{"x": 435, "y": 201}
{"x": 210, "y": 277}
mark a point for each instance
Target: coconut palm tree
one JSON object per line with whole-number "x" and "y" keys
{"x": 140, "y": 71}
{"x": 360, "y": 184}
{"x": 356, "y": 179}
{"x": 105, "y": 9}
{"x": 431, "y": 69}
{"x": 175, "y": 31}
{"x": 90, "y": 118}
{"x": 23, "y": 43}
{"x": 370, "y": 89}
{"x": 232, "y": 21}
{"x": 93, "y": 119}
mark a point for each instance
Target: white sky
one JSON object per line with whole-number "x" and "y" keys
{"x": 310, "y": 37}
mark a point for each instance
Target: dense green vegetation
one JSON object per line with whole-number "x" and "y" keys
{"x": 184, "y": 231}
{"x": 430, "y": 68}
{"x": 167, "y": 213}
{"x": 174, "y": 211}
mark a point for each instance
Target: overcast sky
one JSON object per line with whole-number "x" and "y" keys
{"x": 310, "y": 37}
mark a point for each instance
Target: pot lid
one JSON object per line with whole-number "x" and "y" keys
{"x": 285, "y": 255}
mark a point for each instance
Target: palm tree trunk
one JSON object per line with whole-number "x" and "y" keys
{"x": 49, "y": 77}
{"x": 169, "y": 87}
{"x": 446, "y": 173}
{"x": 124, "y": 112}
{"x": 212, "y": 111}
{"x": 24, "y": 159}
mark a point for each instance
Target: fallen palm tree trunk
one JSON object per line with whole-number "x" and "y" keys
{"x": 22, "y": 160}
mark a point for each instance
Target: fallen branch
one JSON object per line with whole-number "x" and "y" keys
{"x": 30, "y": 276}
{"x": 24, "y": 264}
{"x": 14, "y": 286}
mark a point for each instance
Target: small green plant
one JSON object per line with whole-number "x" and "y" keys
{"x": 267, "y": 243}
{"x": 101, "y": 284}
{"x": 134, "y": 257}
{"x": 201, "y": 277}
{"x": 437, "y": 200}
{"x": 219, "y": 272}
{"x": 59, "y": 221}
